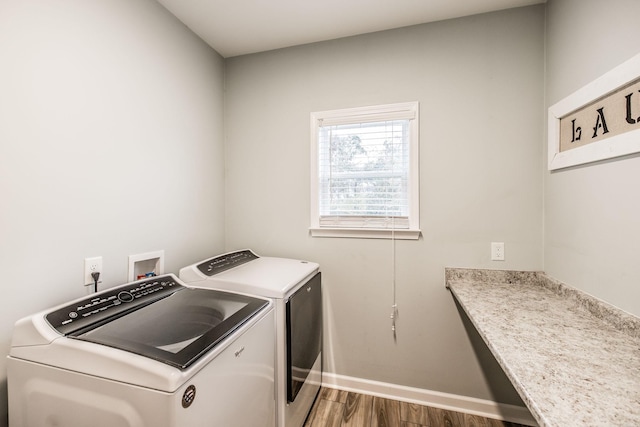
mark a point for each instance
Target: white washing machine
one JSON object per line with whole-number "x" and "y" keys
{"x": 151, "y": 353}
{"x": 295, "y": 286}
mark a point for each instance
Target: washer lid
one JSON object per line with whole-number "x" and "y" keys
{"x": 178, "y": 329}
{"x": 267, "y": 277}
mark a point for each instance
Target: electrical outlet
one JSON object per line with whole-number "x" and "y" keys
{"x": 92, "y": 265}
{"x": 497, "y": 251}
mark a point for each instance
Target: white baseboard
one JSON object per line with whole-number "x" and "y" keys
{"x": 436, "y": 399}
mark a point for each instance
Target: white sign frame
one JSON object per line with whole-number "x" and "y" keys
{"x": 615, "y": 146}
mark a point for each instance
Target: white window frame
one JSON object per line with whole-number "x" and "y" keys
{"x": 400, "y": 111}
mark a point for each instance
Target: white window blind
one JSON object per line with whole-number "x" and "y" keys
{"x": 364, "y": 174}
{"x": 364, "y": 164}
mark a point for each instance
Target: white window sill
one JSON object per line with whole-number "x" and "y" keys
{"x": 366, "y": 233}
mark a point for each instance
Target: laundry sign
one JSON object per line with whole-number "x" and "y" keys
{"x": 617, "y": 113}
{"x": 599, "y": 121}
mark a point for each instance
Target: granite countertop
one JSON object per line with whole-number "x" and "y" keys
{"x": 574, "y": 360}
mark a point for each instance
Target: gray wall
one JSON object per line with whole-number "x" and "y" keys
{"x": 592, "y": 212}
{"x": 110, "y": 108}
{"x": 479, "y": 81}
{"x": 111, "y": 144}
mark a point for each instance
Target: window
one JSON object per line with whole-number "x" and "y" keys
{"x": 364, "y": 166}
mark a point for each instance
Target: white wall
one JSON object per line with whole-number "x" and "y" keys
{"x": 479, "y": 81}
{"x": 592, "y": 212}
{"x": 111, "y": 144}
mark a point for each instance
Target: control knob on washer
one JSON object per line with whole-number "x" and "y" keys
{"x": 125, "y": 296}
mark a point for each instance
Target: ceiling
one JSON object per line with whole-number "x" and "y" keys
{"x": 238, "y": 27}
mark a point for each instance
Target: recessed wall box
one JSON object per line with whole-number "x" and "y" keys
{"x": 146, "y": 265}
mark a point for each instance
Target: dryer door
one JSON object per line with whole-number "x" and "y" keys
{"x": 304, "y": 334}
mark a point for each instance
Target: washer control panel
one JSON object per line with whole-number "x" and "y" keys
{"x": 225, "y": 262}
{"x": 111, "y": 302}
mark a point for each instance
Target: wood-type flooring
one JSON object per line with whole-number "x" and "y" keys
{"x": 337, "y": 408}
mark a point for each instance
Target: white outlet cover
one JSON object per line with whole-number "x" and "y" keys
{"x": 497, "y": 251}
{"x": 91, "y": 265}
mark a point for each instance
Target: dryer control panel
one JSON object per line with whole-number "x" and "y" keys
{"x": 225, "y": 262}
{"x": 110, "y": 303}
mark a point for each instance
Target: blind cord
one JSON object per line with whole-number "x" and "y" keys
{"x": 330, "y": 164}
{"x": 394, "y": 306}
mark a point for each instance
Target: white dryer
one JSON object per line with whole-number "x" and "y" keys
{"x": 151, "y": 353}
{"x": 295, "y": 286}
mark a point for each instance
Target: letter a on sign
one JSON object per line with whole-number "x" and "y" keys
{"x": 601, "y": 123}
